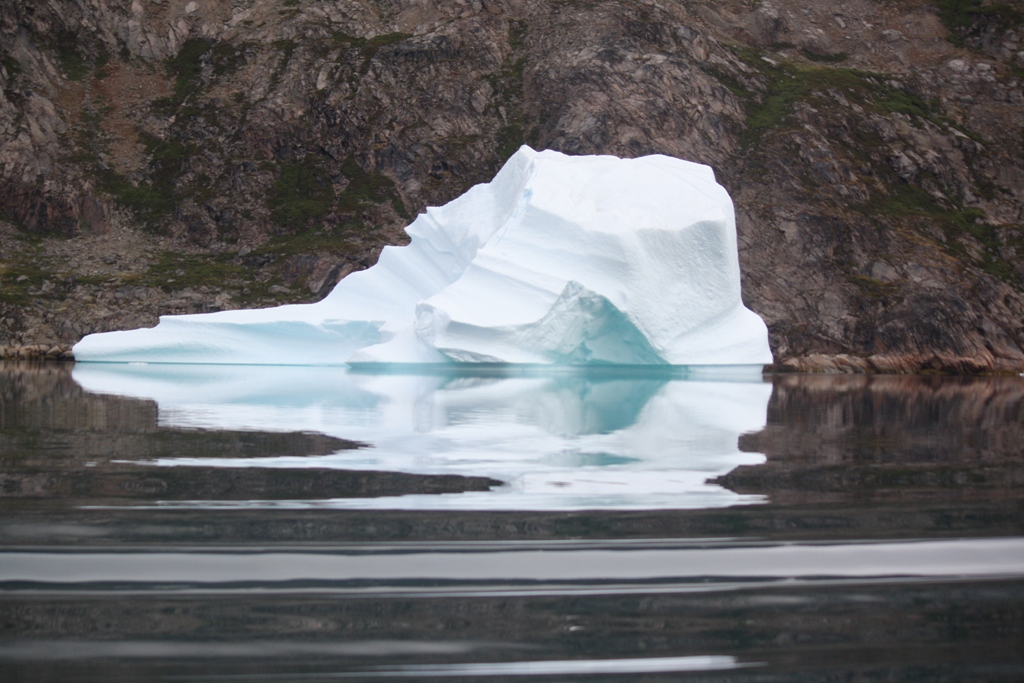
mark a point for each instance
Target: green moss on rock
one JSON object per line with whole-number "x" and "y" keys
{"x": 365, "y": 189}
{"x": 157, "y": 197}
{"x": 302, "y": 192}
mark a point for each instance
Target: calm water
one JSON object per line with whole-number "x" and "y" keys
{"x": 165, "y": 523}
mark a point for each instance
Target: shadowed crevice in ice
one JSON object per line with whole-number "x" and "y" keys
{"x": 581, "y": 328}
{"x": 558, "y": 439}
{"x": 558, "y": 261}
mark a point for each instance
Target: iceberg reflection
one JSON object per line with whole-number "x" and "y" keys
{"x": 560, "y": 439}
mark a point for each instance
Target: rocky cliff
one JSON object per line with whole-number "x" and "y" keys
{"x": 164, "y": 156}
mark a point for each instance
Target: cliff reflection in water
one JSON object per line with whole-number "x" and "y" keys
{"x": 554, "y": 440}
{"x": 889, "y": 439}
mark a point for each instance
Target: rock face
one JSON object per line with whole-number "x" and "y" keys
{"x": 559, "y": 260}
{"x": 164, "y": 157}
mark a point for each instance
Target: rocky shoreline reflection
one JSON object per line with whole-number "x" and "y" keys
{"x": 63, "y": 447}
{"x": 888, "y": 439}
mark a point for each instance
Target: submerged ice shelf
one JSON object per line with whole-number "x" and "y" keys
{"x": 559, "y": 260}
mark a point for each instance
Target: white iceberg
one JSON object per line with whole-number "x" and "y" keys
{"x": 559, "y": 260}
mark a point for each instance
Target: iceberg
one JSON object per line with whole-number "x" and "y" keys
{"x": 560, "y": 260}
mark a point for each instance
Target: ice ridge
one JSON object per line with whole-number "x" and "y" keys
{"x": 560, "y": 260}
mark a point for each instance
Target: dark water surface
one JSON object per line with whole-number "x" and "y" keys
{"x": 242, "y": 524}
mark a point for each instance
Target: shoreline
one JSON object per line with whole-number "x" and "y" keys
{"x": 811, "y": 364}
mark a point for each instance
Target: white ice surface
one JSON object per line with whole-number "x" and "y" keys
{"x": 558, "y": 260}
{"x": 560, "y": 440}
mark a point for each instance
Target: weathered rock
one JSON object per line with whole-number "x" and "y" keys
{"x": 764, "y": 27}
{"x": 817, "y": 42}
{"x": 227, "y": 149}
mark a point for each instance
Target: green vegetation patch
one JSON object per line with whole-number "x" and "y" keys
{"x": 302, "y": 192}
{"x": 157, "y": 197}
{"x": 227, "y": 57}
{"x": 788, "y": 83}
{"x": 509, "y": 139}
{"x": 828, "y": 59}
{"x": 508, "y": 88}
{"x": 316, "y": 219}
{"x": 186, "y": 67}
{"x": 237, "y": 275}
{"x": 286, "y": 48}
{"x": 71, "y": 61}
{"x": 225, "y": 272}
{"x": 875, "y": 289}
{"x": 331, "y": 240}
{"x": 174, "y": 270}
{"x": 24, "y": 269}
{"x": 367, "y": 188}
{"x": 968, "y": 19}
{"x": 147, "y": 201}
{"x": 992, "y": 263}
{"x": 23, "y": 233}
{"x": 11, "y": 65}
{"x": 910, "y": 201}
{"x": 517, "y": 34}
{"x": 186, "y": 64}
{"x": 17, "y": 277}
{"x": 101, "y": 61}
